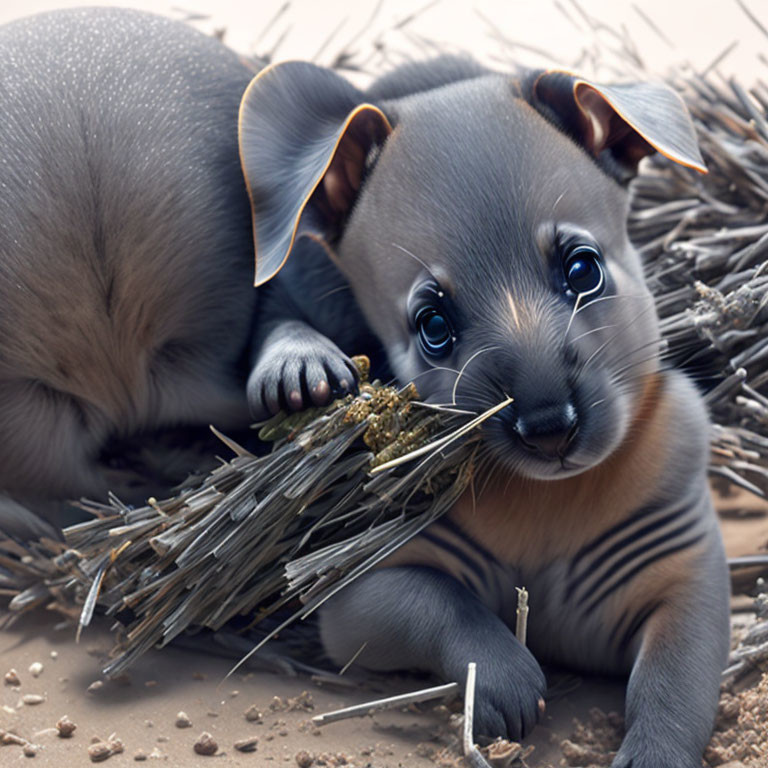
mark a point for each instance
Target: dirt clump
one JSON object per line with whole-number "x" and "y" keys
{"x": 741, "y": 730}
{"x": 595, "y": 742}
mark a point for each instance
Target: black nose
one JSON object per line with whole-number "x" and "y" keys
{"x": 547, "y": 430}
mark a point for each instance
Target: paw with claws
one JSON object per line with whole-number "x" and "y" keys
{"x": 296, "y": 368}
{"x": 656, "y": 748}
{"x": 510, "y": 686}
{"x": 511, "y": 703}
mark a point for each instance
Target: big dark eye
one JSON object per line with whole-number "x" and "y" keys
{"x": 583, "y": 271}
{"x": 435, "y": 335}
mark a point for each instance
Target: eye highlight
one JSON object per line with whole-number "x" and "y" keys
{"x": 583, "y": 270}
{"x": 434, "y": 332}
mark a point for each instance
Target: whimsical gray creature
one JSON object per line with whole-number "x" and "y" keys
{"x": 480, "y": 223}
{"x": 474, "y": 224}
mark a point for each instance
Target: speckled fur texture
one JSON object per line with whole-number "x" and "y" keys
{"x": 126, "y": 298}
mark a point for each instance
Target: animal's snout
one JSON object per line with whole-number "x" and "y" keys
{"x": 546, "y": 430}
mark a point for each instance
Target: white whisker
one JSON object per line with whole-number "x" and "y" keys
{"x": 605, "y": 344}
{"x": 442, "y": 442}
{"x": 615, "y": 296}
{"x": 415, "y": 257}
{"x": 593, "y": 330}
{"x": 443, "y": 408}
{"x": 434, "y": 369}
{"x": 573, "y": 314}
{"x": 464, "y": 368}
{"x": 335, "y": 290}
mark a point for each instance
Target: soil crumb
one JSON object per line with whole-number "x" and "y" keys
{"x": 741, "y": 731}
{"x": 740, "y": 737}
{"x": 595, "y": 742}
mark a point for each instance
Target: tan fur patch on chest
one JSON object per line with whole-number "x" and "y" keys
{"x": 532, "y": 522}
{"x": 528, "y": 523}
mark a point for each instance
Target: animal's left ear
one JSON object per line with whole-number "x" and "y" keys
{"x": 305, "y": 134}
{"x": 617, "y": 124}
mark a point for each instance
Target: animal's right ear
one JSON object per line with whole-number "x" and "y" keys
{"x": 305, "y": 134}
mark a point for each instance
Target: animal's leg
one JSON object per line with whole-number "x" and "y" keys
{"x": 414, "y": 617}
{"x": 307, "y": 323}
{"x": 673, "y": 689}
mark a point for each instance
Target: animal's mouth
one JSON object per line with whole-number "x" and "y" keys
{"x": 575, "y": 446}
{"x": 561, "y": 440}
{"x": 554, "y": 447}
{"x": 550, "y": 470}
{"x": 546, "y": 432}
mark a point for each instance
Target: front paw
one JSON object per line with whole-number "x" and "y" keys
{"x": 509, "y": 691}
{"x": 298, "y": 368}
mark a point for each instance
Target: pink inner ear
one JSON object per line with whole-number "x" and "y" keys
{"x": 607, "y": 129}
{"x": 342, "y": 179}
{"x": 600, "y": 115}
{"x": 336, "y": 189}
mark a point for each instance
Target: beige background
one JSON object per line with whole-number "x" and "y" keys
{"x": 697, "y": 30}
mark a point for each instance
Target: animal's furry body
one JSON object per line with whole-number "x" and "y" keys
{"x": 126, "y": 300}
{"x": 453, "y": 193}
{"x": 447, "y": 216}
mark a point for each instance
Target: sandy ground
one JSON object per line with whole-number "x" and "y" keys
{"x": 141, "y": 709}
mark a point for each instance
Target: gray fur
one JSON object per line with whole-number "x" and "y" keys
{"x": 126, "y": 299}
{"x": 491, "y": 242}
{"x": 406, "y": 617}
{"x": 125, "y": 306}
{"x": 473, "y": 190}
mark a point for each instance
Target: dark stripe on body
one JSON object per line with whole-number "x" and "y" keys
{"x": 577, "y": 581}
{"x": 610, "y": 589}
{"x": 637, "y": 623}
{"x": 450, "y": 525}
{"x": 459, "y": 554}
{"x": 612, "y": 531}
{"x": 641, "y": 550}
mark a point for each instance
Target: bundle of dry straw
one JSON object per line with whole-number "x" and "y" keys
{"x": 705, "y": 246}
{"x": 343, "y": 487}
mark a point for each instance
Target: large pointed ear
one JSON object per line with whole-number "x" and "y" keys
{"x": 617, "y": 124}
{"x": 305, "y": 134}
